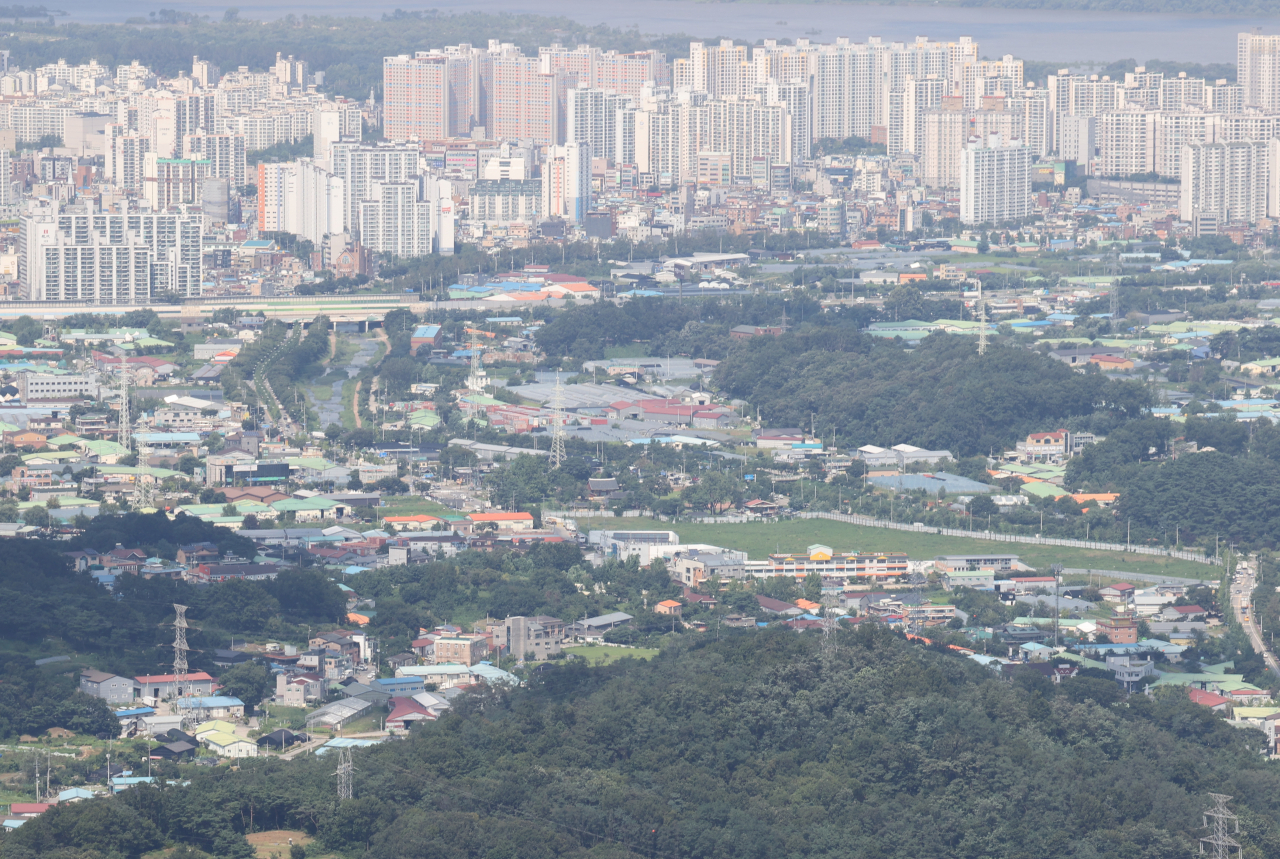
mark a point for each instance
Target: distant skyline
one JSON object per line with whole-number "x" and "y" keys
{"x": 1040, "y": 35}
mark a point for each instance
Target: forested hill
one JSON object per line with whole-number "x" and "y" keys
{"x": 741, "y": 746}
{"x": 941, "y": 395}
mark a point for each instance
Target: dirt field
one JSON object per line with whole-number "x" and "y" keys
{"x": 276, "y": 842}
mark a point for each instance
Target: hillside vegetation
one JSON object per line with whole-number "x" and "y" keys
{"x": 743, "y": 746}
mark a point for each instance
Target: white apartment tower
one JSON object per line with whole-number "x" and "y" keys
{"x": 566, "y": 182}
{"x": 73, "y": 253}
{"x": 995, "y": 182}
{"x": 1258, "y": 70}
{"x": 1227, "y": 180}
{"x": 395, "y": 220}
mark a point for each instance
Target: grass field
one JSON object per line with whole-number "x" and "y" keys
{"x": 791, "y": 535}
{"x": 411, "y": 505}
{"x": 597, "y": 654}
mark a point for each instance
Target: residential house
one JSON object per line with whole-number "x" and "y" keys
{"x": 1177, "y": 613}
{"x": 669, "y": 607}
{"x": 693, "y": 568}
{"x": 769, "y": 605}
{"x": 109, "y": 687}
{"x": 228, "y": 745}
{"x": 1121, "y": 592}
{"x": 213, "y": 706}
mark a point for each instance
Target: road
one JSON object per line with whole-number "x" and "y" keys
{"x": 1242, "y": 586}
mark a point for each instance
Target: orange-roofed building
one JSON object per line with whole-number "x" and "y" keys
{"x": 504, "y": 521}
{"x": 1111, "y": 363}
{"x": 358, "y": 619}
{"x": 809, "y": 606}
{"x": 672, "y": 607}
{"x": 1102, "y": 499}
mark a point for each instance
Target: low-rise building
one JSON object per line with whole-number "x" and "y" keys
{"x": 109, "y": 687}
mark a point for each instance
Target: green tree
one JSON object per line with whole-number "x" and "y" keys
{"x": 249, "y": 681}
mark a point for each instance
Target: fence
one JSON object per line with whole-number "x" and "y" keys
{"x": 920, "y": 528}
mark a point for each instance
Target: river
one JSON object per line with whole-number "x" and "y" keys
{"x": 1050, "y": 35}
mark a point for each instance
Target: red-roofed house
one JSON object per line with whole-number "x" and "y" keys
{"x": 29, "y": 809}
{"x": 1122, "y": 592}
{"x": 1183, "y": 612}
{"x": 405, "y": 712}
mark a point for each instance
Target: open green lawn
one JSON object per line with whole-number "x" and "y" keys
{"x": 598, "y": 654}
{"x": 411, "y": 505}
{"x": 760, "y": 539}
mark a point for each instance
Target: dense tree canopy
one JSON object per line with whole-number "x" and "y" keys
{"x": 746, "y": 745}
{"x": 941, "y": 395}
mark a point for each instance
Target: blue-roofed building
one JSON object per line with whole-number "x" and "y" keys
{"x": 399, "y": 686}
{"x": 429, "y": 336}
{"x": 346, "y": 743}
{"x": 214, "y": 706}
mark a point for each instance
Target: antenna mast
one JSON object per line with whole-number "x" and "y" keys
{"x": 557, "y": 425}
{"x": 1220, "y": 843}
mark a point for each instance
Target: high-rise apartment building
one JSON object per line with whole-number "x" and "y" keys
{"x": 73, "y": 253}
{"x": 566, "y": 182}
{"x": 1227, "y": 180}
{"x": 995, "y": 182}
{"x": 592, "y": 68}
{"x": 1258, "y": 70}
{"x": 947, "y": 130}
{"x": 360, "y": 165}
{"x": 395, "y": 221}
{"x": 224, "y": 152}
{"x": 172, "y": 182}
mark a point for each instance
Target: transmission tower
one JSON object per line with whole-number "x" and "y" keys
{"x": 126, "y": 419}
{"x": 557, "y": 425}
{"x": 1115, "y": 306}
{"x": 345, "y": 772}
{"x": 982, "y": 322}
{"x": 829, "y": 645}
{"x": 143, "y": 482}
{"x": 476, "y": 381}
{"x": 180, "y": 647}
{"x": 1220, "y": 843}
